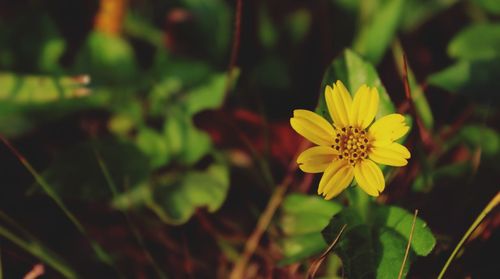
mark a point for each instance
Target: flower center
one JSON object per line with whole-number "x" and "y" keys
{"x": 352, "y": 144}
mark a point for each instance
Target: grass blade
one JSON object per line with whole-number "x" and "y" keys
{"x": 98, "y": 250}
{"x": 34, "y": 247}
{"x": 490, "y": 206}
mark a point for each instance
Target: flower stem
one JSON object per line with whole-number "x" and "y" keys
{"x": 359, "y": 200}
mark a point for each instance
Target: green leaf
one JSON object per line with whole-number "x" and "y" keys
{"x": 108, "y": 59}
{"x": 176, "y": 202}
{"x": 376, "y": 249}
{"x": 304, "y": 214}
{"x": 29, "y": 100}
{"x": 476, "y": 79}
{"x": 75, "y": 172}
{"x": 303, "y": 218}
{"x": 356, "y": 248}
{"x": 378, "y": 28}
{"x": 51, "y": 52}
{"x": 400, "y": 221}
{"x": 38, "y": 89}
{"x": 389, "y": 247}
{"x": 353, "y": 71}
{"x": 207, "y": 96}
{"x": 479, "y": 41}
{"x": 184, "y": 141}
{"x": 296, "y": 248}
{"x": 483, "y": 137}
{"x": 187, "y": 72}
{"x": 491, "y": 6}
{"x": 154, "y": 145}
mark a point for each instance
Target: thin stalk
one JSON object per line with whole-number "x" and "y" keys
{"x": 98, "y": 250}
{"x": 311, "y": 273}
{"x": 490, "y": 206}
{"x": 235, "y": 46}
{"x": 408, "y": 245}
{"x": 133, "y": 228}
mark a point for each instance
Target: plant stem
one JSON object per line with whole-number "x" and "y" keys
{"x": 492, "y": 204}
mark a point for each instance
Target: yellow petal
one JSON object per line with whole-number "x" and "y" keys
{"x": 369, "y": 177}
{"x": 316, "y": 159}
{"x": 393, "y": 154}
{"x": 390, "y": 127}
{"x": 339, "y": 102}
{"x": 364, "y": 106}
{"x": 335, "y": 179}
{"x": 312, "y": 126}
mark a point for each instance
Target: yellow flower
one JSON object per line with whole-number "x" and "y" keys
{"x": 350, "y": 148}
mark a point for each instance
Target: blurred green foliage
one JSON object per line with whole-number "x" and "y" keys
{"x": 168, "y": 64}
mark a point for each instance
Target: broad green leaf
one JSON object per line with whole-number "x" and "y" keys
{"x": 184, "y": 141}
{"x": 476, "y": 79}
{"x": 208, "y": 95}
{"x": 304, "y": 214}
{"x": 376, "y": 249}
{"x": 75, "y": 172}
{"x": 175, "y": 201}
{"x": 391, "y": 248}
{"x": 108, "y": 59}
{"x": 27, "y": 101}
{"x": 481, "y": 136}
{"x": 162, "y": 94}
{"x": 154, "y": 145}
{"x": 356, "y": 247}
{"x": 377, "y": 28}
{"x": 353, "y": 71}
{"x": 188, "y": 72}
{"x": 491, "y": 6}
{"x": 303, "y": 218}
{"x": 39, "y": 89}
{"x": 51, "y": 52}
{"x": 479, "y": 41}
{"x": 400, "y": 221}
{"x": 296, "y": 248}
